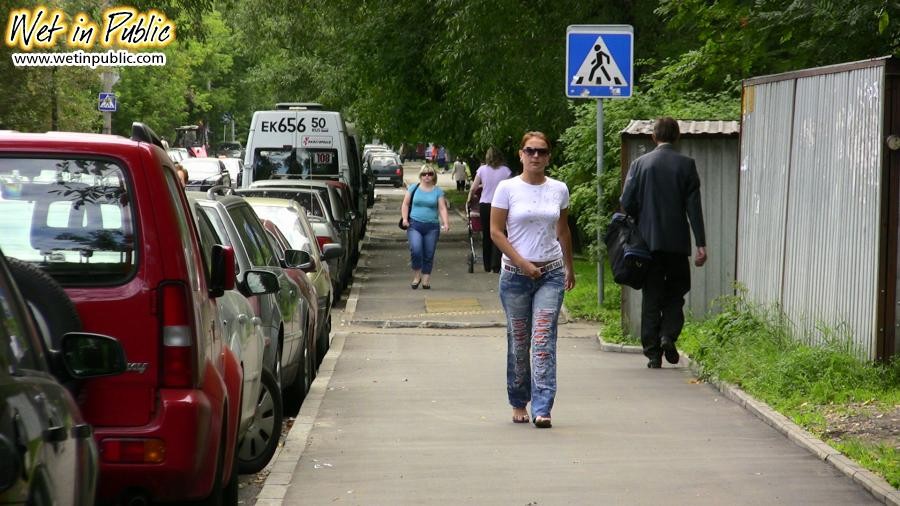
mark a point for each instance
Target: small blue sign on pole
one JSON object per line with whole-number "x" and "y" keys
{"x": 107, "y": 102}
{"x": 599, "y": 61}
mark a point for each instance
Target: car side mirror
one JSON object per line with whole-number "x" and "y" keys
{"x": 298, "y": 259}
{"x": 258, "y": 282}
{"x": 332, "y": 250}
{"x": 221, "y": 270}
{"x": 87, "y": 355}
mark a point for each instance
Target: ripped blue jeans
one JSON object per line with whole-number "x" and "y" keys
{"x": 532, "y": 312}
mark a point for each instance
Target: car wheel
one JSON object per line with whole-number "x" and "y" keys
{"x": 324, "y": 340}
{"x": 53, "y": 311}
{"x": 296, "y": 391}
{"x": 261, "y": 439}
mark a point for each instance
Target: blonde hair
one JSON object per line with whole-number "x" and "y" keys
{"x": 426, "y": 168}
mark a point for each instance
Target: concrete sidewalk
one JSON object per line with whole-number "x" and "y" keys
{"x": 410, "y": 408}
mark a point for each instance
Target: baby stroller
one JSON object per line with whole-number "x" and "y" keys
{"x": 473, "y": 221}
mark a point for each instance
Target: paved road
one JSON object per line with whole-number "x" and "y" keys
{"x": 418, "y": 414}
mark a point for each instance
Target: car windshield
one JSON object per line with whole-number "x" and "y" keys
{"x": 201, "y": 169}
{"x": 306, "y": 199}
{"x": 71, "y": 216}
{"x": 379, "y": 163}
{"x": 296, "y": 163}
{"x": 287, "y": 221}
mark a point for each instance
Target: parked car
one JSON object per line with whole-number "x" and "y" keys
{"x": 297, "y": 266}
{"x": 289, "y": 223}
{"x": 239, "y": 310}
{"x": 107, "y": 218}
{"x": 387, "y": 168}
{"x": 287, "y": 314}
{"x": 235, "y": 168}
{"x": 178, "y": 154}
{"x": 231, "y": 149}
{"x": 344, "y": 219}
{"x": 47, "y": 454}
{"x": 204, "y": 173}
{"x": 319, "y": 217}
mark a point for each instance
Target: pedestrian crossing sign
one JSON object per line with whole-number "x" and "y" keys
{"x": 107, "y": 102}
{"x": 599, "y": 61}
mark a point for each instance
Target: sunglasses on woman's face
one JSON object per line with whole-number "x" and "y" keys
{"x": 428, "y": 173}
{"x": 530, "y": 151}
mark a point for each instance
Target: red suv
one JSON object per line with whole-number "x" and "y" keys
{"x": 107, "y": 218}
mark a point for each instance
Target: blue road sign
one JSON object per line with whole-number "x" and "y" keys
{"x": 599, "y": 61}
{"x": 107, "y": 102}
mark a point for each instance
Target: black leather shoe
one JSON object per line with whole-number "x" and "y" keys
{"x": 669, "y": 350}
{"x": 654, "y": 363}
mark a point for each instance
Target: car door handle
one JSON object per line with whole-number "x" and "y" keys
{"x": 82, "y": 431}
{"x": 55, "y": 434}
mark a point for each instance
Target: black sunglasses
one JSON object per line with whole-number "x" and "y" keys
{"x": 530, "y": 151}
{"x": 428, "y": 173}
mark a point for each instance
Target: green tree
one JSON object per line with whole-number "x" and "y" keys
{"x": 732, "y": 40}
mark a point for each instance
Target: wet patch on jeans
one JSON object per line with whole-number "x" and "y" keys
{"x": 543, "y": 330}
{"x": 521, "y": 340}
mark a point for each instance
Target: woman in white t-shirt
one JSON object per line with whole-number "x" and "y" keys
{"x": 532, "y": 210}
{"x": 487, "y": 177}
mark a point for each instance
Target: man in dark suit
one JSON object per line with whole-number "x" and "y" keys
{"x": 662, "y": 191}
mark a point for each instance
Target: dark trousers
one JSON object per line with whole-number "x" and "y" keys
{"x": 460, "y": 185}
{"x": 490, "y": 254}
{"x": 662, "y": 314}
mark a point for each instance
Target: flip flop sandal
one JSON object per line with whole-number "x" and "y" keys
{"x": 542, "y": 422}
{"x": 520, "y": 418}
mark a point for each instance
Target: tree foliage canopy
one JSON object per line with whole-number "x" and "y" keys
{"x": 467, "y": 74}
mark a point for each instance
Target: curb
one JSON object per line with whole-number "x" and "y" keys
{"x": 287, "y": 457}
{"x": 874, "y": 484}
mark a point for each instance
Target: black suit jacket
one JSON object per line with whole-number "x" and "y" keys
{"x": 662, "y": 191}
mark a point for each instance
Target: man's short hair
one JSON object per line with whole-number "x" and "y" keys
{"x": 666, "y": 130}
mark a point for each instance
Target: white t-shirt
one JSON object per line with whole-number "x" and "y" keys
{"x": 533, "y": 211}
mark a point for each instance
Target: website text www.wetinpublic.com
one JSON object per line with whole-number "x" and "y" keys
{"x": 117, "y": 58}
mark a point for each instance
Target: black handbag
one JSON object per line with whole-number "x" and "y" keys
{"x": 412, "y": 195}
{"x": 629, "y": 256}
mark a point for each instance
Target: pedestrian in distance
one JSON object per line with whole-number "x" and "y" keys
{"x": 442, "y": 159}
{"x": 425, "y": 216}
{"x": 662, "y": 192}
{"x": 487, "y": 177}
{"x": 460, "y": 175}
{"x": 530, "y": 225}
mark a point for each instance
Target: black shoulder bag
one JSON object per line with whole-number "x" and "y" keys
{"x": 628, "y": 254}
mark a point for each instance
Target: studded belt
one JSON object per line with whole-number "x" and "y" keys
{"x": 548, "y": 267}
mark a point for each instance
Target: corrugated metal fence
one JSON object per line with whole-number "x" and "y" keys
{"x": 812, "y": 183}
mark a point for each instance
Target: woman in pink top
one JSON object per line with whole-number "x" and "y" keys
{"x": 486, "y": 179}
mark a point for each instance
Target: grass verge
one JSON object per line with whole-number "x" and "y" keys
{"x": 581, "y": 302}
{"x": 824, "y": 388}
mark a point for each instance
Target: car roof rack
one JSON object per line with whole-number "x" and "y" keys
{"x": 142, "y": 133}
{"x": 308, "y": 106}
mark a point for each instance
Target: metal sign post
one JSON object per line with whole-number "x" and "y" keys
{"x": 599, "y": 64}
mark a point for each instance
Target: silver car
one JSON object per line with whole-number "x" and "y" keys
{"x": 287, "y": 221}
{"x": 319, "y": 217}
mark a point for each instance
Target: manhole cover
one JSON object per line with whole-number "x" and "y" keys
{"x": 453, "y": 305}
